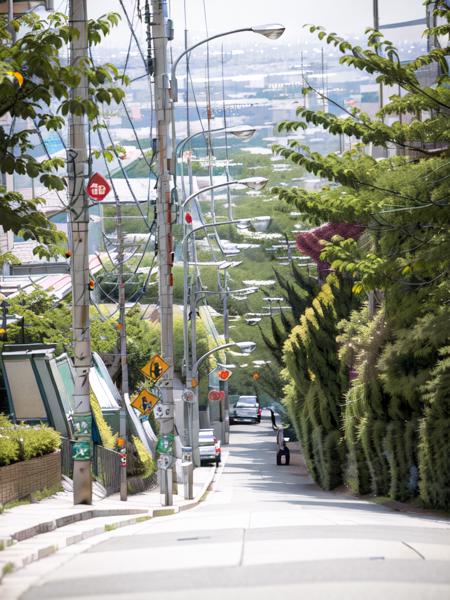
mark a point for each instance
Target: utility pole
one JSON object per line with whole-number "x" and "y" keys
{"x": 225, "y": 403}
{"x": 123, "y": 352}
{"x": 164, "y": 225}
{"x": 77, "y": 162}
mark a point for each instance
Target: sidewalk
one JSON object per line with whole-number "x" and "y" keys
{"x": 33, "y": 531}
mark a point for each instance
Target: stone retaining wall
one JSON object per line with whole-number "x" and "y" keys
{"x": 22, "y": 479}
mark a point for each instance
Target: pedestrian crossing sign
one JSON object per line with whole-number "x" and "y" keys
{"x": 145, "y": 402}
{"x": 155, "y": 368}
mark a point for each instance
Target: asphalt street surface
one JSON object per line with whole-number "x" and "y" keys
{"x": 264, "y": 532}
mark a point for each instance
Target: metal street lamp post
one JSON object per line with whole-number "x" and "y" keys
{"x": 271, "y": 31}
{"x": 245, "y": 348}
{"x": 242, "y": 132}
{"x": 190, "y": 300}
{"x": 249, "y": 182}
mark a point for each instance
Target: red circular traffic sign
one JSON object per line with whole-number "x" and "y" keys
{"x": 224, "y": 374}
{"x": 98, "y": 187}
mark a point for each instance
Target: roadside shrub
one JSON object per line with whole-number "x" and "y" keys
{"x": 371, "y": 433}
{"x": 317, "y": 381}
{"x": 140, "y": 461}
{"x": 37, "y": 440}
{"x": 107, "y": 437}
{"x": 401, "y": 446}
{"x": 356, "y": 474}
{"x": 9, "y": 450}
{"x": 434, "y": 437}
{"x": 23, "y": 442}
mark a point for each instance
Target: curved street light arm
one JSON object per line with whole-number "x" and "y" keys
{"x": 173, "y": 81}
{"x": 202, "y": 358}
{"x": 182, "y": 143}
{"x": 208, "y": 189}
{"x": 206, "y": 226}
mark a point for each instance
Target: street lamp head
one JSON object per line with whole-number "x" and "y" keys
{"x": 242, "y": 132}
{"x": 246, "y": 347}
{"x": 253, "y": 320}
{"x": 229, "y": 264}
{"x": 272, "y": 31}
{"x": 254, "y": 183}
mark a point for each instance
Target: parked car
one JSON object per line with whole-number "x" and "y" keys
{"x": 246, "y": 410}
{"x": 209, "y": 447}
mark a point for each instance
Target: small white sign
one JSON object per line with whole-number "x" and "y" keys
{"x": 165, "y": 461}
{"x": 163, "y": 411}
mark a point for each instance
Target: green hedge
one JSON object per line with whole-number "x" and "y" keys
{"x": 23, "y": 442}
{"x": 107, "y": 436}
{"x": 318, "y": 382}
{"x": 140, "y": 461}
{"x": 434, "y": 437}
{"x": 401, "y": 451}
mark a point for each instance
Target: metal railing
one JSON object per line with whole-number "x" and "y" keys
{"x": 66, "y": 457}
{"x": 106, "y": 466}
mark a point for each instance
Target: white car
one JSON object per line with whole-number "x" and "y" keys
{"x": 209, "y": 447}
{"x": 246, "y": 410}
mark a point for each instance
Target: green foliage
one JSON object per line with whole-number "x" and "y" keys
{"x": 107, "y": 437}
{"x": 366, "y": 405}
{"x": 314, "y": 399}
{"x": 395, "y": 418}
{"x": 9, "y": 449}
{"x": 434, "y": 442}
{"x": 356, "y": 473}
{"x": 298, "y": 290}
{"x": 142, "y": 343}
{"x": 401, "y": 450}
{"x": 23, "y": 442}
{"x": 44, "y": 77}
{"x": 139, "y": 461}
{"x": 44, "y": 320}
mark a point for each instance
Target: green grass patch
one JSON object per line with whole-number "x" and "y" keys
{"x": 46, "y": 493}
{"x": 143, "y": 519}
{"x": 8, "y": 568}
{"x": 163, "y": 512}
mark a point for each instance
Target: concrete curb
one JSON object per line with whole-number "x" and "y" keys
{"x": 22, "y": 553}
{"x": 20, "y": 549}
{"x": 203, "y": 492}
{"x": 47, "y": 526}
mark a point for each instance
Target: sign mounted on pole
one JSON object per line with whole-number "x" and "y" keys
{"x": 155, "y": 368}
{"x": 98, "y": 187}
{"x": 163, "y": 411}
{"x": 81, "y": 450}
{"x": 82, "y": 425}
{"x": 224, "y": 374}
{"x": 145, "y": 402}
{"x": 165, "y": 444}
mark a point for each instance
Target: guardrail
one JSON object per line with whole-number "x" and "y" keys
{"x": 66, "y": 457}
{"x": 106, "y": 466}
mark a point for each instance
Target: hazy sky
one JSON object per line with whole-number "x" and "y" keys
{"x": 342, "y": 16}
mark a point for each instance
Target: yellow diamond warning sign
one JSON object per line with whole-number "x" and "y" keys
{"x": 145, "y": 402}
{"x": 155, "y": 368}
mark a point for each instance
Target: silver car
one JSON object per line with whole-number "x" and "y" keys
{"x": 246, "y": 410}
{"x": 209, "y": 447}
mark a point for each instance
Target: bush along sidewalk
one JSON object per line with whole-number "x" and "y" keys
{"x": 29, "y": 463}
{"x": 24, "y": 442}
